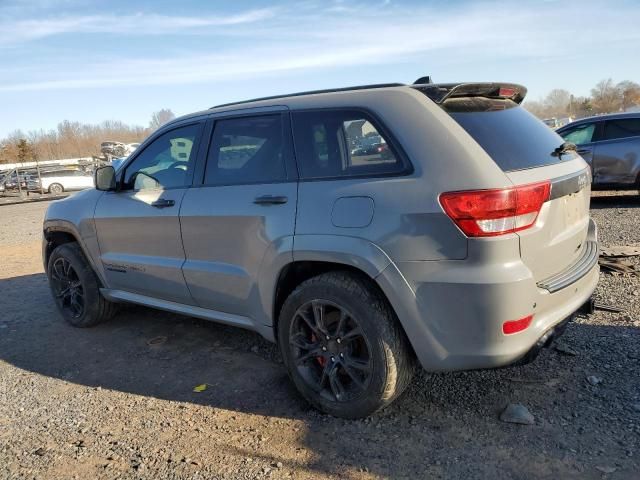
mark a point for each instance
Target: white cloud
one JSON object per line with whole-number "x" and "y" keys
{"x": 312, "y": 37}
{"x": 13, "y": 32}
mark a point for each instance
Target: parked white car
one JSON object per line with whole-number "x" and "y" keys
{"x": 66, "y": 180}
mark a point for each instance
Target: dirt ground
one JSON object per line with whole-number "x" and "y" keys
{"x": 117, "y": 401}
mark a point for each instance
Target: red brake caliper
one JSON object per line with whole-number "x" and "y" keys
{"x": 321, "y": 360}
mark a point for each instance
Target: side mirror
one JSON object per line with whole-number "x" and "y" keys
{"x": 105, "y": 178}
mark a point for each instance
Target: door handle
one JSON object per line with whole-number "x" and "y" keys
{"x": 163, "y": 203}
{"x": 271, "y": 200}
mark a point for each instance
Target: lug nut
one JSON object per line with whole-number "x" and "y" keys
{"x": 333, "y": 359}
{"x": 342, "y": 355}
{"x": 338, "y": 340}
{"x": 324, "y": 349}
{"x": 328, "y": 337}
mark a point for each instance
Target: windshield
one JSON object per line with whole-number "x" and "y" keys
{"x": 513, "y": 138}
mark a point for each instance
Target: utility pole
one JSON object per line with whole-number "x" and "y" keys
{"x": 571, "y": 106}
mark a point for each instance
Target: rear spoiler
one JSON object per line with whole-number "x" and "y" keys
{"x": 444, "y": 91}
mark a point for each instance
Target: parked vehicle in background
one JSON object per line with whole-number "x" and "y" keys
{"x": 552, "y": 122}
{"x": 469, "y": 245}
{"x": 556, "y": 123}
{"x": 66, "y": 180}
{"x": 565, "y": 121}
{"x": 32, "y": 181}
{"x": 13, "y": 182}
{"x": 611, "y": 146}
{"x": 111, "y": 149}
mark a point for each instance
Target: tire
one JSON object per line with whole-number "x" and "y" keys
{"x": 75, "y": 288}
{"x": 56, "y": 189}
{"x": 367, "y": 361}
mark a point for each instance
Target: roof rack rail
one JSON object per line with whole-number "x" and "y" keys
{"x": 313, "y": 92}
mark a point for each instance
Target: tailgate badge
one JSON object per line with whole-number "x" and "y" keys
{"x": 582, "y": 181}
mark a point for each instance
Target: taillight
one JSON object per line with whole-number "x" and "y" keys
{"x": 487, "y": 213}
{"x": 515, "y": 326}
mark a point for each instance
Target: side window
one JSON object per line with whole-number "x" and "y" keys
{"x": 335, "y": 143}
{"x": 166, "y": 162}
{"x": 581, "y": 134}
{"x": 623, "y": 128}
{"x": 246, "y": 150}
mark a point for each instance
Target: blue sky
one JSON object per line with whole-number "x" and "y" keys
{"x": 97, "y": 60}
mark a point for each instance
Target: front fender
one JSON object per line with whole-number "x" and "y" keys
{"x": 74, "y": 216}
{"x": 86, "y": 239}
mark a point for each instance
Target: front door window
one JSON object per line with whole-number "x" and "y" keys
{"x": 166, "y": 163}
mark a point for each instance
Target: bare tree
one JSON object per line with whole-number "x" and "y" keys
{"x": 536, "y": 108}
{"x": 630, "y": 94}
{"x": 161, "y": 117}
{"x": 68, "y": 140}
{"x": 557, "y": 102}
{"x": 605, "y": 97}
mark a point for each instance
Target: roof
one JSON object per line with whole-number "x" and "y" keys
{"x": 599, "y": 118}
{"x": 312, "y": 92}
{"x": 438, "y": 92}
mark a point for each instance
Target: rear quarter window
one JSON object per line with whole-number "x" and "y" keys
{"x": 622, "y": 128}
{"x": 343, "y": 143}
{"x": 513, "y": 138}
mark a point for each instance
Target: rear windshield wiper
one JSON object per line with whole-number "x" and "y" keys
{"x": 564, "y": 148}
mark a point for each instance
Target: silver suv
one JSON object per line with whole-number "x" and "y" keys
{"x": 365, "y": 230}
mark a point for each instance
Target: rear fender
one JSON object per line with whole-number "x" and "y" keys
{"x": 353, "y": 251}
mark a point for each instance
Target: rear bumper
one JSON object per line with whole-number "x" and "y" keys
{"x": 453, "y": 311}
{"x": 545, "y": 341}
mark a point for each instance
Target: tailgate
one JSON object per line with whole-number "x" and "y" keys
{"x": 528, "y": 152}
{"x": 559, "y": 237}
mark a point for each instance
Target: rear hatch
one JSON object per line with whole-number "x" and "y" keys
{"x": 528, "y": 152}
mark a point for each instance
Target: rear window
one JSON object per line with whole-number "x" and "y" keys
{"x": 514, "y": 138}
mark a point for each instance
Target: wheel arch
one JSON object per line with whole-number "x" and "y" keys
{"x": 317, "y": 254}
{"x": 296, "y": 272}
{"x": 309, "y": 263}
{"x": 53, "y": 239}
{"x": 59, "y": 232}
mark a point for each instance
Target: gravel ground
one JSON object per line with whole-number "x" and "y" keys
{"x": 117, "y": 401}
